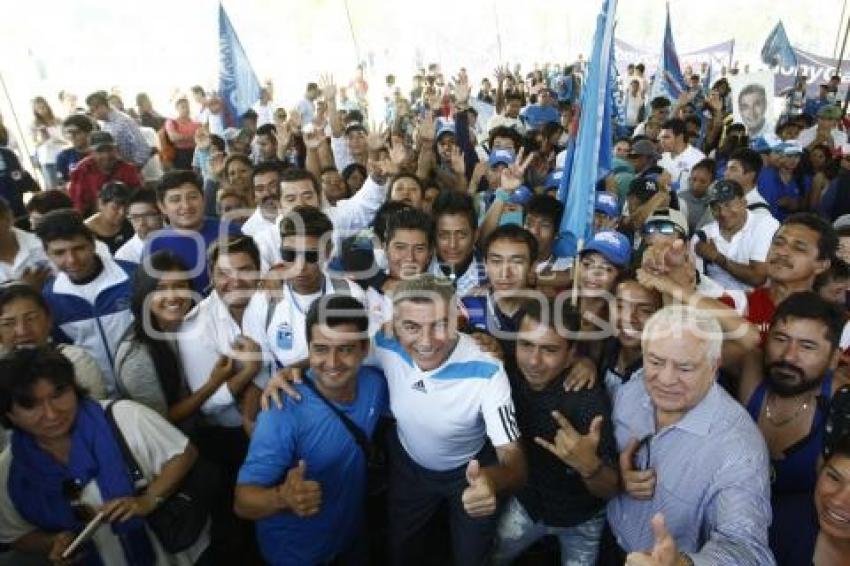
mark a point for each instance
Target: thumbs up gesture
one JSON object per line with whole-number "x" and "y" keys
{"x": 302, "y": 497}
{"x": 575, "y": 450}
{"x": 640, "y": 484}
{"x": 479, "y": 499}
{"x": 664, "y": 551}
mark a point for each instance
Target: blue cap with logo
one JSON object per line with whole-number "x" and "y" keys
{"x": 788, "y": 148}
{"x": 613, "y": 246}
{"x": 501, "y": 156}
{"x": 607, "y": 204}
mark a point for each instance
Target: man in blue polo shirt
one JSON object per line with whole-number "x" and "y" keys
{"x": 189, "y": 234}
{"x": 777, "y": 182}
{"x": 315, "y": 515}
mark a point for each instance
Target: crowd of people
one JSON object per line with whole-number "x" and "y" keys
{"x": 328, "y": 336}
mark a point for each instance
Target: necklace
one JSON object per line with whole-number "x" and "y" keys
{"x": 782, "y": 422}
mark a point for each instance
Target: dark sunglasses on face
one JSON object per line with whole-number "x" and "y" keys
{"x": 666, "y": 228}
{"x": 289, "y": 255}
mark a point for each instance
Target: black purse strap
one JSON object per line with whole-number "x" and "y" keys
{"x": 136, "y": 475}
{"x": 359, "y": 436}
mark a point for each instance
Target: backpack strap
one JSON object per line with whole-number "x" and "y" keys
{"x": 136, "y": 475}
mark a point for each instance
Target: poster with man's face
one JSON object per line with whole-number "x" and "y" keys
{"x": 752, "y": 102}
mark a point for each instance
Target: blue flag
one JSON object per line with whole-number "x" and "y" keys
{"x": 237, "y": 84}
{"x": 669, "y": 80}
{"x": 777, "y": 49}
{"x": 590, "y": 154}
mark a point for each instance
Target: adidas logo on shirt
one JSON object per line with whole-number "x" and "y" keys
{"x": 420, "y": 386}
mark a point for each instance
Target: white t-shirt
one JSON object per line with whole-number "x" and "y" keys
{"x": 680, "y": 166}
{"x": 256, "y": 222}
{"x": 282, "y": 336}
{"x": 807, "y": 136}
{"x": 30, "y": 256}
{"x": 207, "y": 333}
{"x": 445, "y": 415}
{"x": 131, "y": 250}
{"x": 750, "y": 243}
{"x": 152, "y": 171}
{"x": 153, "y": 442}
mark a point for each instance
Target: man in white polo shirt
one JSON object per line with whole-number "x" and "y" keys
{"x": 457, "y": 440}
{"x": 275, "y": 319}
{"x": 678, "y": 155}
{"x": 732, "y": 249}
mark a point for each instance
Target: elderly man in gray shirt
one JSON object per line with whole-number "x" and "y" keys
{"x": 695, "y": 468}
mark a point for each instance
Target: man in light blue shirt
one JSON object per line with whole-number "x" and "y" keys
{"x": 695, "y": 469}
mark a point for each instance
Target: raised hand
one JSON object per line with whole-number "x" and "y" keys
{"x": 302, "y": 497}
{"x": 313, "y": 137}
{"x": 427, "y": 127}
{"x": 462, "y": 88}
{"x": 328, "y": 86}
{"x": 377, "y": 138}
{"x": 479, "y": 499}
{"x": 575, "y": 450}
{"x": 663, "y": 553}
{"x": 457, "y": 161}
{"x": 639, "y": 484}
{"x": 512, "y": 176}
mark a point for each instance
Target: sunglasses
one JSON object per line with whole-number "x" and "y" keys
{"x": 666, "y": 228}
{"x": 72, "y": 491}
{"x": 643, "y": 463}
{"x": 289, "y": 255}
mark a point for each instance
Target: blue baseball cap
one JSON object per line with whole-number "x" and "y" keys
{"x": 445, "y": 127}
{"x": 521, "y": 195}
{"x": 761, "y": 145}
{"x": 536, "y": 116}
{"x": 607, "y": 204}
{"x": 613, "y": 246}
{"x": 553, "y": 179}
{"x": 503, "y": 156}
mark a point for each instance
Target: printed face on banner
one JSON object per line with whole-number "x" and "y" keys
{"x": 752, "y": 102}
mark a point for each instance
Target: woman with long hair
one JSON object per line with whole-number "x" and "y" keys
{"x": 181, "y": 132}
{"x": 46, "y": 132}
{"x": 147, "y": 366}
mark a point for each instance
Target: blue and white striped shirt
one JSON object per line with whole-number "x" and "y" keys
{"x": 712, "y": 480}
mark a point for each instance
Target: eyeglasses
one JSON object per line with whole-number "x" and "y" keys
{"x": 289, "y": 255}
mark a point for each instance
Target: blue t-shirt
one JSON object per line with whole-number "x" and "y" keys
{"x": 772, "y": 188}
{"x": 192, "y": 248}
{"x": 67, "y": 160}
{"x": 308, "y": 430}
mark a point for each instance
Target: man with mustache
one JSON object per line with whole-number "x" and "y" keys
{"x": 266, "y": 179}
{"x": 787, "y": 393}
{"x": 801, "y": 249}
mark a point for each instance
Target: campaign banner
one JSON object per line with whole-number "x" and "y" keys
{"x": 715, "y": 56}
{"x": 817, "y": 68}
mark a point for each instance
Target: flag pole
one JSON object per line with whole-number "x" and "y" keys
{"x": 26, "y": 160}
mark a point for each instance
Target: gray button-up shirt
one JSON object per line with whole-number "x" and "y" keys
{"x": 712, "y": 479}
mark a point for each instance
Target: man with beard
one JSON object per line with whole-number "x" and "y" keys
{"x": 787, "y": 393}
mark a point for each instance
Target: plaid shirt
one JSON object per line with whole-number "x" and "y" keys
{"x": 132, "y": 146}
{"x": 713, "y": 480}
